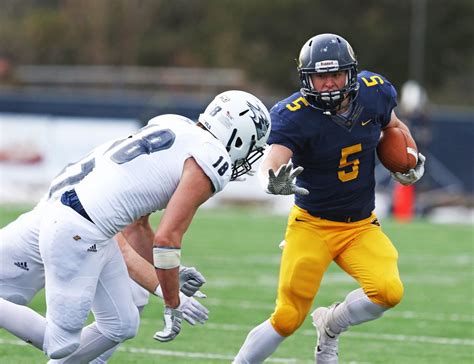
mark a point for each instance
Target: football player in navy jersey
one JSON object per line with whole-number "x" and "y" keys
{"x": 326, "y": 135}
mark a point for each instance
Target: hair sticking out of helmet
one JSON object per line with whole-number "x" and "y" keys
{"x": 242, "y": 123}
{"x": 322, "y": 54}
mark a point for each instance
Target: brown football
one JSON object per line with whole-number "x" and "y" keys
{"x": 397, "y": 150}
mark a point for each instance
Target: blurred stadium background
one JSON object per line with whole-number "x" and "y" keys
{"x": 76, "y": 73}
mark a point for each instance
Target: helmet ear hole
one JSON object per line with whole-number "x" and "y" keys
{"x": 238, "y": 142}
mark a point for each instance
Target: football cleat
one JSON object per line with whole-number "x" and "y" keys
{"x": 327, "y": 343}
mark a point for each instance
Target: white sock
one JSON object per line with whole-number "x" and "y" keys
{"x": 23, "y": 322}
{"x": 93, "y": 344}
{"x": 261, "y": 342}
{"x": 356, "y": 309}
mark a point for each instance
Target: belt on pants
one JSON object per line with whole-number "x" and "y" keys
{"x": 70, "y": 198}
{"x": 351, "y": 218}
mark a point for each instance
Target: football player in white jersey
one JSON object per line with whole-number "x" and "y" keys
{"x": 172, "y": 163}
{"x": 22, "y": 271}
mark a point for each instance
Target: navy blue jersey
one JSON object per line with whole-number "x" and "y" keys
{"x": 337, "y": 153}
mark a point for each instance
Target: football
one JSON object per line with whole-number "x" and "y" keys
{"x": 397, "y": 150}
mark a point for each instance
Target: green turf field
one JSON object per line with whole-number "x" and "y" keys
{"x": 237, "y": 251}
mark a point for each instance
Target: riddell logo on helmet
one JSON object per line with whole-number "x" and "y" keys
{"x": 329, "y": 65}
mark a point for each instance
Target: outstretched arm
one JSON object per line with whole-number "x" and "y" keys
{"x": 280, "y": 182}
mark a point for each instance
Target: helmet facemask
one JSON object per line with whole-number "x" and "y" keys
{"x": 330, "y": 101}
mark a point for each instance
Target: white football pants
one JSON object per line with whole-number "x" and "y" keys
{"x": 81, "y": 263}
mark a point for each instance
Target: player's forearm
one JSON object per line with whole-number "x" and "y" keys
{"x": 169, "y": 286}
{"x": 140, "y": 237}
{"x": 139, "y": 269}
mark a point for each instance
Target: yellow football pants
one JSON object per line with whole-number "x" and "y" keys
{"x": 359, "y": 248}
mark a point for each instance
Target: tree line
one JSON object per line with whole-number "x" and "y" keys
{"x": 261, "y": 37}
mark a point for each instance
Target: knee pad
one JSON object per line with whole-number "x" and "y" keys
{"x": 286, "y": 320}
{"x": 389, "y": 293}
{"x": 68, "y": 312}
{"x": 59, "y": 343}
{"x": 123, "y": 329}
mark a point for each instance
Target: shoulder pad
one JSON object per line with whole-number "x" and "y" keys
{"x": 375, "y": 82}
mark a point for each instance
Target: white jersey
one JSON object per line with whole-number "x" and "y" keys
{"x": 75, "y": 172}
{"x": 138, "y": 175}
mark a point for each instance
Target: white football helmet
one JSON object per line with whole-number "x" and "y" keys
{"x": 242, "y": 123}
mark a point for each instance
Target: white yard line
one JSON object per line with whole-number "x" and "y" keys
{"x": 409, "y": 315}
{"x": 373, "y": 336}
{"x": 172, "y": 353}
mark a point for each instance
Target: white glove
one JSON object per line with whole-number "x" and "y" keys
{"x": 189, "y": 309}
{"x": 193, "y": 311}
{"x": 190, "y": 280}
{"x": 172, "y": 319}
{"x": 282, "y": 182}
{"x": 413, "y": 174}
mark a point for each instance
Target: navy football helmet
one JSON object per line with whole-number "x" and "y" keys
{"x": 327, "y": 53}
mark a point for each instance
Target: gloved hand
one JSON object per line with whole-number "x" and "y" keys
{"x": 190, "y": 280}
{"x": 282, "y": 182}
{"x": 189, "y": 309}
{"x": 413, "y": 175}
{"x": 193, "y": 311}
{"x": 172, "y": 319}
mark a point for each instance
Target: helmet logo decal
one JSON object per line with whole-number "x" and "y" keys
{"x": 259, "y": 119}
{"x": 351, "y": 51}
{"x": 327, "y": 66}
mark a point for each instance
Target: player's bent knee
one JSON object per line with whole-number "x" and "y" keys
{"x": 286, "y": 320}
{"x": 390, "y": 293}
{"x": 123, "y": 329}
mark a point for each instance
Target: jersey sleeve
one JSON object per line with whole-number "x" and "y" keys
{"x": 215, "y": 162}
{"x": 284, "y": 131}
{"x": 380, "y": 93}
{"x": 390, "y": 95}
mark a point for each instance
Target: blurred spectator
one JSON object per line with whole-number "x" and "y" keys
{"x": 7, "y": 70}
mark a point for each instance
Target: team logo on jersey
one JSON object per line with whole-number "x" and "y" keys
{"x": 22, "y": 265}
{"x": 259, "y": 119}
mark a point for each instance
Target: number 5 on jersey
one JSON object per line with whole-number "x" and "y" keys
{"x": 344, "y": 163}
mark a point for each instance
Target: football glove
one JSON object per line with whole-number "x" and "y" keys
{"x": 281, "y": 183}
{"x": 193, "y": 311}
{"x": 189, "y": 309}
{"x": 172, "y": 319}
{"x": 413, "y": 175}
{"x": 190, "y": 280}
